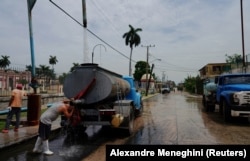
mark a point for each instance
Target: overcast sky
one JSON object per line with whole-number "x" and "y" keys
{"x": 187, "y": 34}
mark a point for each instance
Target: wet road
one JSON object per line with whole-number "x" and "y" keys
{"x": 174, "y": 118}
{"x": 177, "y": 118}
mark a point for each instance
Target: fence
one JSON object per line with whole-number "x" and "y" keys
{"x": 45, "y": 99}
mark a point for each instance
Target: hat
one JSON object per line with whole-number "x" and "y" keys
{"x": 19, "y": 86}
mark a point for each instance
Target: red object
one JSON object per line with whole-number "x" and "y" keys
{"x": 19, "y": 86}
{"x": 84, "y": 91}
{"x": 75, "y": 119}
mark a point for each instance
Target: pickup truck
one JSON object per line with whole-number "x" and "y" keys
{"x": 233, "y": 95}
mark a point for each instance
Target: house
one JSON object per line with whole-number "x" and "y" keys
{"x": 214, "y": 69}
{"x": 10, "y": 78}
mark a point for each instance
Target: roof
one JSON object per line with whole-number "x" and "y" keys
{"x": 213, "y": 64}
{"x": 144, "y": 77}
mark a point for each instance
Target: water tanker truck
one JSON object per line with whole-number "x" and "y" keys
{"x": 209, "y": 94}
{"x": 101, "y": 97}
{"x": 231, "y": 92}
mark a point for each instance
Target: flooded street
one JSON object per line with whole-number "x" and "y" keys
{"x": 177, "y": 118}
{"x": 168, "y": 119}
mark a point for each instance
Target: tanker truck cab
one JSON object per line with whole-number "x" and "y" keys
{"x": 233, "y": 95}
{"x": 134, "y": 96}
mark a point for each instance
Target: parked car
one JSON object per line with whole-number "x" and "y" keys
{"x": 165, "y": 90}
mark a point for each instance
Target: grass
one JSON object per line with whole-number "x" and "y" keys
{"x": 3, "y": 118}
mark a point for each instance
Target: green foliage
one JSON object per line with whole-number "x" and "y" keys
{"x": 23, "y": 114}
{"x": 140, "y": 69}
{"x": 234, "y": 59}
{"x": 4, "y": 62}
{"x": 193, "y": 84}
{"x": 62, "y": 78}
{"x": 132, "y": 39}
{"x": 23, "y": 81}
{"x": 73, "y": 67}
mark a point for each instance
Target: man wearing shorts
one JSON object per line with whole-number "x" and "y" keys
{"x": 64, "y": 107}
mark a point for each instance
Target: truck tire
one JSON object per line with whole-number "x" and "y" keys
{"x": 226, "y": 111}
{"x": 130, "y": 119}
{"x": 221, "y": 108}
{"x": 139, "y": 112}
{"x": 212, "y": 108}
{"x": 209, "y": 107}
{"x": 206, "y": 106}
{"x": 203, "y": 101}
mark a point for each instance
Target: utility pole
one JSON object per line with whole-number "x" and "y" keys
{"x": 242, "y": 33}
{"x": 147, "y": 46}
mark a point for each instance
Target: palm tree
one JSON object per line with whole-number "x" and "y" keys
{"x": 62, "y": 78}
{"x": 73, "y": 67}
{"x": 4, "y": 62}
{"x": 132, "y": 39}
{"x": 52, "y": 61}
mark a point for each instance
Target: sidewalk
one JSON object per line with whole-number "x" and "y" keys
{"x": 28, "y": 132}
{"x": 24, "y": 133}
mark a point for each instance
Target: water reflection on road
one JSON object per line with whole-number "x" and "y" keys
{"x": 178, "y": 118}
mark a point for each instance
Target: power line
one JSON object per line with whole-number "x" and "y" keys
{"x": 90, "y": 30}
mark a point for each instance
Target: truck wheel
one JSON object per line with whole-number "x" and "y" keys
{"x": 206, "y": 106}
{"x": 212, "y": 108}
{"x": 226, "y": 112}
{"x": 221, "y": 108}
{"x": 140, "y": 111}
{"x": 131, "y": 121}
{"x": 203, "y": 101}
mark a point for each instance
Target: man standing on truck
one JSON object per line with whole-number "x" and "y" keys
{"x": 66, "y": 108}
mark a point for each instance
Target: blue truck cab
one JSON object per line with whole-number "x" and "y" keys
{"x": 134, "y": 94}
{"x": 233, "y": 95}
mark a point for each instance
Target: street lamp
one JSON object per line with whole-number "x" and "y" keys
{"x": 94, "y": 49}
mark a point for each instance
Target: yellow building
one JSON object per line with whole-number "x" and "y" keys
{"x": 214, "y": 69}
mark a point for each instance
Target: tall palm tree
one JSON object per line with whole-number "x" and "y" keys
{"x": 52, "y": 61}
{"x": 44, "y": 72}
{"x": 4, "y": 62}
{"x": 132, "y": 39}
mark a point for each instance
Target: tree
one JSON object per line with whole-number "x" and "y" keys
{"x": 4, "y": 62}
{"x": 62, "y": 78}
{"x": 74, "y": 65}
{"x": 132, "y": 39}
{"x": 23, "y": 82}
{"x": 29, "y": 68}
{"x": 234, "y": 59}
{"x": 45, "y": 73}
{"x": 140, "y": 70}
{"x": 190, "y": 84}
{"x": 193, "y": 84}
{"x": 52, "y": 61}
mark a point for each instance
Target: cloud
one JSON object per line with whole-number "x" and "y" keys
{"x": 187, "y": 34}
